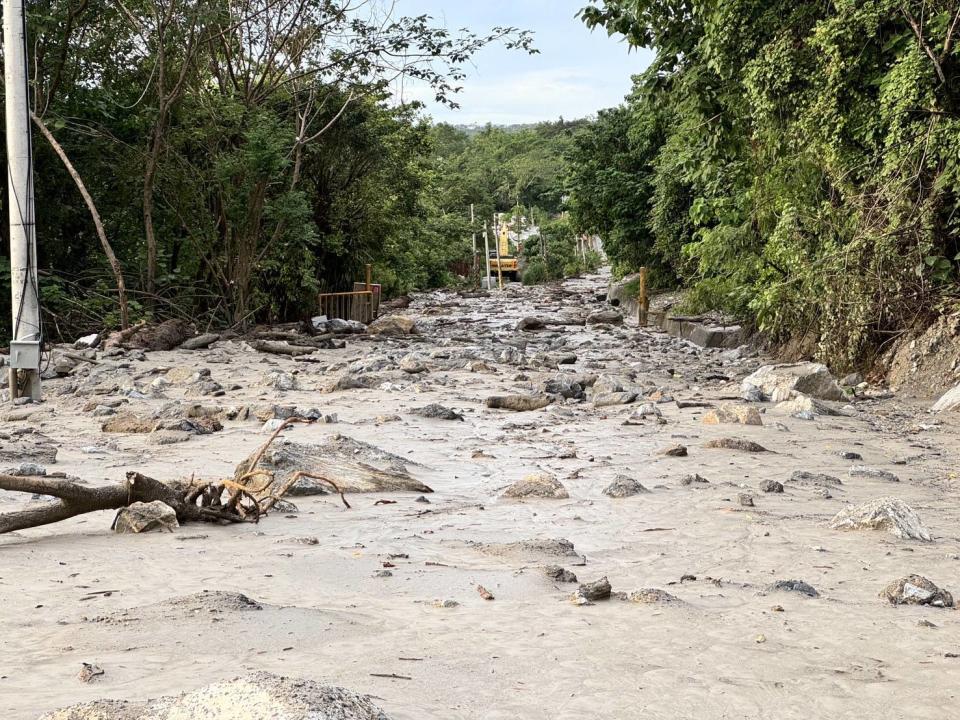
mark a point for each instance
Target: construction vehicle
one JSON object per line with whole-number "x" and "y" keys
{"x": 503, "y": 260}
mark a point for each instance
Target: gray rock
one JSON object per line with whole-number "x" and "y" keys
{"x": 414, "y": 364}
{"x": 694, "y": 479}
{"x": 803, "y": 477}
{"x": 518, "y": 403}
{"x": 623, "y": 486}
{"x": 771, "y": 486}
{"x": 916, "y": 590}
{"x": 144, "y": 517}
{"x": 613, "y": 398}
{"x": 564, "y": 388}
{"x": 890, "y": 514}
{"x": 794, "y": 586}
{"x": 605, "y": 317}
{"x": 779, "y": 382}
{"x": 559, "y": 574}
{"x": 437, "y": 412}
{"x": 949, "y": 402}
{"x": 652, "y": 596}
{"x": 591, "y": 592}
{"x": 745, "y": 500}
{"x": 862, "y": 471}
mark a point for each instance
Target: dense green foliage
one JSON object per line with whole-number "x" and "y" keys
{"x": 555, "y": 253}
{"x": 793, "y": 162}
{"x": 242, "y": 156}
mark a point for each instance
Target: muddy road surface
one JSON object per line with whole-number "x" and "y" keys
{"x": 728, "y": 593}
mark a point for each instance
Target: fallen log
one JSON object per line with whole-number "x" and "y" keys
{"x": 281, "y": 348}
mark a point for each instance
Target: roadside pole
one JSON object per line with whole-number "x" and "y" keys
{"x": 473, "y": 229}
{"x": 496, "y": 245}
{"x": 486, "y": 254}
{"x": 26, "y": 341}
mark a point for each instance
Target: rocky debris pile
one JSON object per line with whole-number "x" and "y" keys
{"x": 916, "y": 590}
{"x": 258, "y": 696}
{"x": 652, "y": 596}
{"x": 538, "y": 485}
{"x": 143, "y": 517}
{"x": 889, "y": 513}
{"x": 779, "y": 383}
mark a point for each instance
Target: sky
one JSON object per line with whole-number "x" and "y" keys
{"x": 577, "y": 72}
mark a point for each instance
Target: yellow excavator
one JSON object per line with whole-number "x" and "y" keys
{"x": 503, "y": 260}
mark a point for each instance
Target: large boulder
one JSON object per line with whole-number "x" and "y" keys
{"x": 889, "y": 513}
{"x": 393, "y": 325}
{"x": 949, "y": 402}
{"x": 143, "y": 517}
{"x": 259, "y": 696}
{"x": 733, "y": 414}
{"x": 605, "y": 317}
{"x": 779, "y": 382}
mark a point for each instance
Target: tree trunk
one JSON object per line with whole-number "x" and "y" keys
{"x": 95, "y": 215}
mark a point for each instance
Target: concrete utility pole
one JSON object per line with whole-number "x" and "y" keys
{"x": 26, "y": 342}
{"x": 473, "y": 229}
{"x": 486, "y": 255}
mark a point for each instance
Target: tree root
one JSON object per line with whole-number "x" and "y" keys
{"x": 222, "y": 501}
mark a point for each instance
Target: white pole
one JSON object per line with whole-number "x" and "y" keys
{"x": 486, "y": 253}
{"x": 474, "y": 230}
{"x": 23, "y": 242}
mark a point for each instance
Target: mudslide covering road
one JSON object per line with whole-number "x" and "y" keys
{"x": 727, "y": 598}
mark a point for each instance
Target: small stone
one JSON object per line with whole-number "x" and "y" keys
{"x": 623, "y": 486}
{"x": 437, "y": 412}
{"x": 771, "y": 486}
{"x": 863, "y": 471}
{"x": 794, "y": 586}
{"x": 383, "y": 574}
{"x": 422, "y": 499}
{"x": 733, "y": 414}
{"x": 597, "y": 590}
{"x": 760, "y": 639}
{"x": 745, "y": 500}
{"x": 736, "y": 444}
{"x": 850, "y": 455}
{"x": 694, "y": 479}
{"x": 559, "y": 574}
{"x": 540, "y": 485}
{"x": 89, "y": 672}
{"x": 675, "y": 451}
{"x": 414, "y": 364}
{"x": 393, "y": 325}
{"x": 446, "y": 604}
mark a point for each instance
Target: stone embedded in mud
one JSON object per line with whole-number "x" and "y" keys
{"x": 613, "y": 398}
{"x": 862, "y": 471}
{"x": 688, "y": 480}
{"x": 803, "y": 477}
{"x": 889, "y": 513}
{"x": 675, "y": 451}
{"x": 529, "y": 324}
{"x": 806, "y": 405}
{"x": 168, "y": 437}
{"x": 540, "y": 485}
{"x": 623, "y": 486}
{"x": 794, "y": 586}
{"x": 736, "y": 444}
{"x": 393, "y": 325}
{"x": 414, "y": 364}
{"x": 779, "y": 382}
{"x": 518, "y": 403}
{"x": 949, "y": 402}
{"x": 437, "y": 411}
{"x": 605, "y": 317}
{"x": 144, "y": 517}
{"x": 652, "y": 596}
{"x": 745, "y": 500}
{"x": 771, "y": 486}
{"x": 609, "y": 384}
{"x": 733, "y": 414}
{"x": 916, "y": 590}
{"x": 591, "y": 592}
{"x": 128, "y": 424}
{"x": 559, "y": 574}
{"x": 258, "y": 696}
